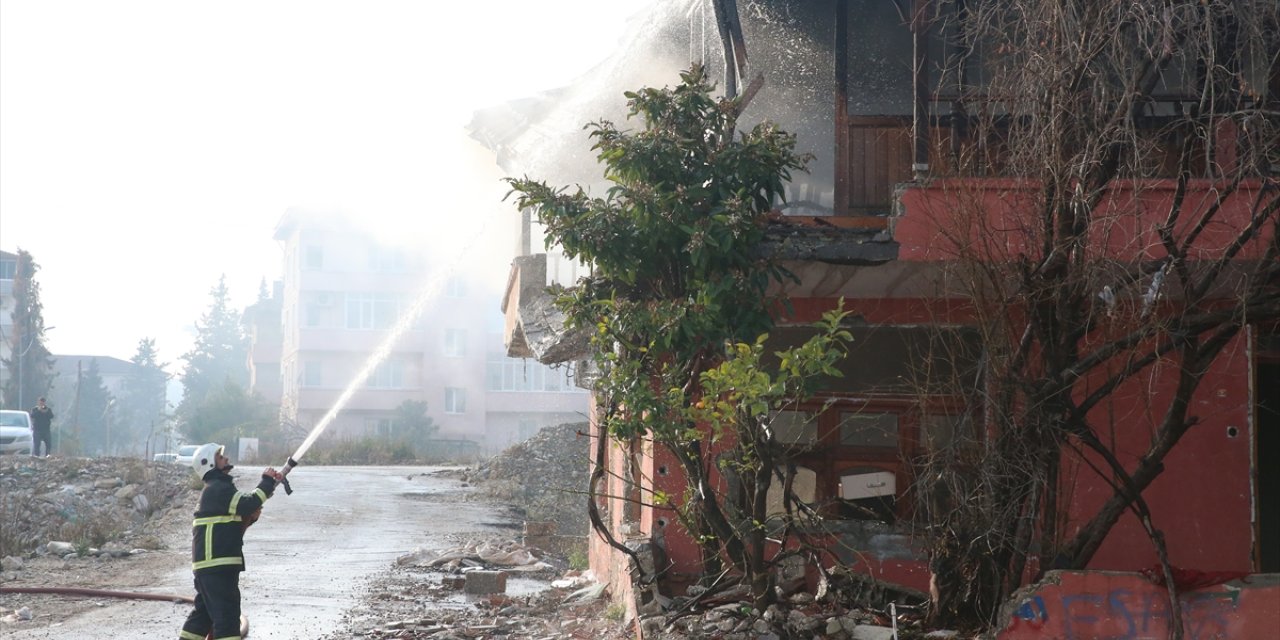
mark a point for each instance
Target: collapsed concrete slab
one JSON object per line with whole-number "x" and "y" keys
{"x": 534, "y": 325}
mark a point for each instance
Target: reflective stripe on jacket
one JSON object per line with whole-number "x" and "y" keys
{"x": 217, "y": 535}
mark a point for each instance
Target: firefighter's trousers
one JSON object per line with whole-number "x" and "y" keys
{"x": 217, "y": 607}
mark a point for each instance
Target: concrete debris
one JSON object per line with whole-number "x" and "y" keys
{"x": 485, "y": 582}
{"x": 24, "y": 614}
{"x": 65, "y": 506}
{"x": 546, "y": 476}
{"x": 872, "y": 632}
{"x": 585, "y": 594}
{"x": 510, "y": 555}
{"x": 59, "y": 548}
{"x": 571, "y": 579}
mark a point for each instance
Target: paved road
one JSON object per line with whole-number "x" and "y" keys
{"x": 309, "y": 554}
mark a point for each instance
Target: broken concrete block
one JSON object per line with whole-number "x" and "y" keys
{"x": 481, "y": 582}
{"x": 872, "y": 632}
{"x": 59, "y": 548}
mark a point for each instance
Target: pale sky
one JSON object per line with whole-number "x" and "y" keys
{"x": 146, "y": 148}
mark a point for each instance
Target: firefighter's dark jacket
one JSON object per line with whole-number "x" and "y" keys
{"x": 217, "y": 534}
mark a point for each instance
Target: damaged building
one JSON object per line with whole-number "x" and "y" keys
{"x": 918, "y": 189}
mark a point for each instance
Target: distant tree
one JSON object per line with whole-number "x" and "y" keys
{"x": 96, "y": 414}
{"x": 142, "y": 398}
{"x": 228, "y": 412}
{"x": 264, "y": 294}
{"x": 411, "y": 421}
{"x": 29, "y": 364}
{"x": 220, "y": 354}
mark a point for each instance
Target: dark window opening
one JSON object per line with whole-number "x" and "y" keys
{"x": 900, "y": 398}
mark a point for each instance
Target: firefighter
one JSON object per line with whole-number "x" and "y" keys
{"x": 217, "y": 540}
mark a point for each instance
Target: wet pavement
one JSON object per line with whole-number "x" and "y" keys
{"x": 309, "y": 555}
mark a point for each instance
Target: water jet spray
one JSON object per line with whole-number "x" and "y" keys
{"x": 427, "y": 294}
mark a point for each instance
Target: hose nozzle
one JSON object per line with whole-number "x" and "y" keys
{"x": 284, "y": 475}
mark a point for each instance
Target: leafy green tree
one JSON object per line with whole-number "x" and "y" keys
{"x": 412, "y": 422}
{"x": 678, "y": 303}
{"x": 142, "y": 396}
{"x": 29, "y": 365}
{"x": 227, "y": 413}
{"x": 220, "y": 355}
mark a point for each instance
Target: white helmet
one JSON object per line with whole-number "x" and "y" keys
{"x": 203, "y": 460}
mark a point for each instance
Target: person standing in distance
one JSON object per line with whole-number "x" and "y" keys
{"x": 217, "y": 541}
{"x": 41, "y": 427}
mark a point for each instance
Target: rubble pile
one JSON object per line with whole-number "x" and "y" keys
{"x": 83, "y": 506}
{"x": 428, "y": 595}
{"x": 546, "y": 476}
{"x": 796, "y": 618}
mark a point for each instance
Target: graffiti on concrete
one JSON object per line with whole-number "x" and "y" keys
{"x": 1125, "y": 614}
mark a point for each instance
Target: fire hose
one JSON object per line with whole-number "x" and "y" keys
{"x": 104, "y": 593}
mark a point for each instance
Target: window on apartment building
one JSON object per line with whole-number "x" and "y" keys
{"x": 373, "y": 310}
{"x": 516, "y": 374}
{"x": 314, "y": 315}
{"x": 455, "y": 287}
{"x": 386, "y": 260}
{"x": 8, "y": 269}
{"x": 311, "y": 374}
{"x": 381, "y": 427}
{"x": 455, "y": 400}
{"x": 387, "y": 375}
{"x": 455, "y": 343}
{"x": 313, "y": 259}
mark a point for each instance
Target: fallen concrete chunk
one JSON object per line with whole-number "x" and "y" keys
{"x": 483, "y": 582}
{"x": 58, "y": 548}
{"x": 872, "y": 632}
{"x": 586, "y": 594}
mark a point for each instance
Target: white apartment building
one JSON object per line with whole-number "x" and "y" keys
{"x": 344, "y": 292}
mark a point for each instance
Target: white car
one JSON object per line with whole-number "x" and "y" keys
{"x": 165, "y": 457}
{"x": 16, "y": 435}
{"x": 185, "y": 453}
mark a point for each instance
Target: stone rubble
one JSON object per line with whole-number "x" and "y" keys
{"x": 545, "y": 477}
{"x": 84, "y": 507}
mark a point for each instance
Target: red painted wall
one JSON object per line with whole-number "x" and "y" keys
{"x": 1126, "y": 606}
{"x": 1202, "y": 501}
